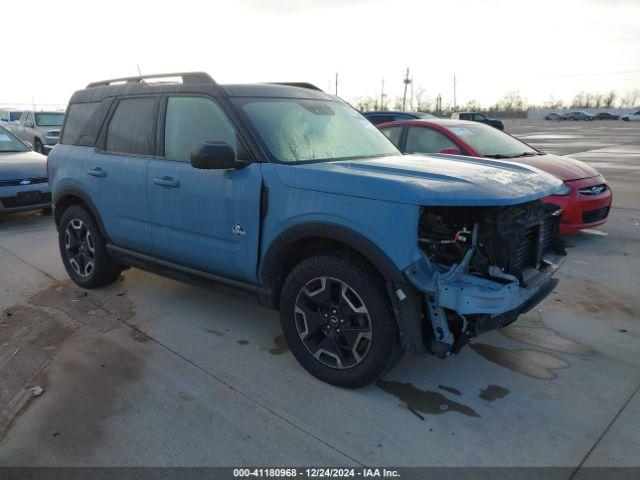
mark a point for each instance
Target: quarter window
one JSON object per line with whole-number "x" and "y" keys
{"x": 132, "y": 126}
{"x": 194, "y": 120}
{"x": 426, "y": 140}
{"x": 78, "y": 116}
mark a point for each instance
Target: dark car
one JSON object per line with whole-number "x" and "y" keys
{"x": 580, "y": 115}
{"x": 382, "y": 116}
{"x": 607, "y": 116}
{"x": 478, "y": 117}
{"x": 23, "y": 176}
{"x": 555, "y": 116}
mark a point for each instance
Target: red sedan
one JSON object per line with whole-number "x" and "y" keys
{"x": 585, "y": 198}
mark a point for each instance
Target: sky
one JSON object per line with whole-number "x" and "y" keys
{"x": 541, "y": 48}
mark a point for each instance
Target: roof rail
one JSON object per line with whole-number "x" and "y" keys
{"x": 187, "y": 77}
{"x": 310, "y": 86}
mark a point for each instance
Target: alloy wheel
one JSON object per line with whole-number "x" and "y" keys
{"x": 333, "y": 322}
{"x": 80, "y": 248}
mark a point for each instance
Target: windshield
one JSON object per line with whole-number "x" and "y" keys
{"x": 491, "y": 142}
{"x": 49, "y": 119}
{"x": 14, "y": 116}
{"x": 9, "y": 143}
{"x": 314, "y": 130}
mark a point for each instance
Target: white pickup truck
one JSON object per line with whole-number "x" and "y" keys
{"x": 40, "y": 129}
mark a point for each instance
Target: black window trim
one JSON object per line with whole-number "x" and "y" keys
{"x": 101, "y": 142}
{"x": 242, "y": 144}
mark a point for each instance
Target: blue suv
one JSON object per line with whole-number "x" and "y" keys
{"x": 290, "y": 193}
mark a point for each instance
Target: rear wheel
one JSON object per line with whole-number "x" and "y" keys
{"x": 338, "y": 322}
{"x": 84, "y": 250}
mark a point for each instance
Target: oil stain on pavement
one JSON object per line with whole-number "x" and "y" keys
{"x": 280, "y": 346}
{"x": 532, "y": 363}
{"x": 493, "y": 392}
{"x": 545, "y": 338}
{"x": 425, "y": 401}
{"x": 455, "y": 391}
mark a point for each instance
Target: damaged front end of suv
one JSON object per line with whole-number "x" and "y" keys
{"x": 480, "y": 267}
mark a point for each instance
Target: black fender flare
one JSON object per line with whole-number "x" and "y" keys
{"x": 330, "y": 231}
{"x": 74, "y": 191}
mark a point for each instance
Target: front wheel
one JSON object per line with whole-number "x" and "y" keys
{"x": 38, "y": 147}
{"x": 337, "y": 320}
{"x": 84, "y": 250}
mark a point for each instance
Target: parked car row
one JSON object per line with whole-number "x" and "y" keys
{"x": 581, "y": 115}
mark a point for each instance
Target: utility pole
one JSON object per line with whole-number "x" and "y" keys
{"x": 382, "y": 96}
{"x": 455, "y": 101}
{"x": 404, "y": 96}
{"x": 336, "y": 84}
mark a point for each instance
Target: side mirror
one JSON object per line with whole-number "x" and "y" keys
{"x": 215, "y": 156}
{"x": 29, "y": 124}
{"x": 451, "y": 151}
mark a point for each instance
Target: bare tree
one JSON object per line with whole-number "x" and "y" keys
{"x": 472, "y": 106}
{"x": 511, "y": 102}
{"x": 631, "y": 99}
{"x": 553, "y": 103}
{"x": 365, "y": 104}
{"x": 609, "y": 99}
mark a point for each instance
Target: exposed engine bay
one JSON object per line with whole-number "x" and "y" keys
{"x": 482, "y": 267}
{"x": 513, "y": 238}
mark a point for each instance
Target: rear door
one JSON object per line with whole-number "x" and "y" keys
{"x": 115, "y": 175}
{"x": 205, "y": 219}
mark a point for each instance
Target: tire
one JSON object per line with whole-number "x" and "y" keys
{"x": 349, "y": 308}
{"x": 84, "y": 250}
{"x": 38, "y": 147}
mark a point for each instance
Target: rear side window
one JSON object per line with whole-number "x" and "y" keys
{"x": 132, "y": 127}
{"x": 191, "y": 121}
{"x": 77, "y": 117}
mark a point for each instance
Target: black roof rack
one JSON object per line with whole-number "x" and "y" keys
{"x": 187, "y": 77}
{"x": 310, "y": 86}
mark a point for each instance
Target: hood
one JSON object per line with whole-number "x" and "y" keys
{"x": 424, "y": 180}
{"x": 565, "y": 168}
{"x": 16, "y": 166}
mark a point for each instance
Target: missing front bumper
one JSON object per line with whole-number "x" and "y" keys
{"x": 458, "y": 306}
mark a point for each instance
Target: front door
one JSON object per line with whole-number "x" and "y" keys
{"x": 205, "y": 219}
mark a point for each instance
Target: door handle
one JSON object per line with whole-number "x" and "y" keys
{"x": 166, "y": 182}
{"x": 97, "y": 172}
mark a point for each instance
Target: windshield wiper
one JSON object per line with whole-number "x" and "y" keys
{"x": 526, "y": 154}
{"x": 498, "y": 156}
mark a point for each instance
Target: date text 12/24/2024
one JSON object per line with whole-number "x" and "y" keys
{"x": 315, "y": 473}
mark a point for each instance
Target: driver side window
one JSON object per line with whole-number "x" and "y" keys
{"x": 194, "y": 120}
{"x": 426, "y": 140}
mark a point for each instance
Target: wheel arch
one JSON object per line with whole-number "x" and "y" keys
{"x": 70, "y": 195}
{"x": 302, "y": 241}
